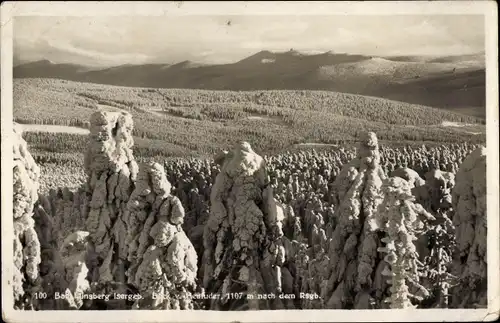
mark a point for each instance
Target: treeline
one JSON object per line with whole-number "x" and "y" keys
{"x": 70, "y": 122}
{"x": 53, "y": 147}
{"x": 356, "y": 106}
{"x": 45, "y": 104}
{"x": 172, "y": 122}
{"x": 64, "y": 159}
{"x": 163, "y": 139}
{"x": 168, "y": 137}
{"x": 56, "y": 142}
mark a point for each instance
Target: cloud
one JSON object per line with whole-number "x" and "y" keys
{"x": 105, "y": 58}
{"x": 222, "y": 39}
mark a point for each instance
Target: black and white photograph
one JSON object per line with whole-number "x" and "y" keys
{"x": 235, "y": 161}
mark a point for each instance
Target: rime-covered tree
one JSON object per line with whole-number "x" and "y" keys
{"x": 353, "y": 244}
{"x": 26, "y": 244}
{"x": 401, "y": 220}
{"x": 469, "y": 204}
{"x": 243, "y": 245}
{"x": 163, "y": 262}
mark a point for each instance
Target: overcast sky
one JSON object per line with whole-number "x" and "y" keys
{"x": 104, "y": 41}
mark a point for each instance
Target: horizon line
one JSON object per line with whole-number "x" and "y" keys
{"x": 303, "y": 52}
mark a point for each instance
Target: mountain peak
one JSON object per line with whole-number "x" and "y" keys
{"x": 259, "y": 56}
{"x": 294, "y": 52}
{"x": 264, "y": 52}
{"x": 183, "y": 63}
{"x": 42, "y": 62}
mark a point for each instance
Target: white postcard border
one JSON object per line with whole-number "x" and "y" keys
{"x": 134, "y": 8}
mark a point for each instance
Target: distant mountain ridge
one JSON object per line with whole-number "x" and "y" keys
{"x": 448, "y": 82}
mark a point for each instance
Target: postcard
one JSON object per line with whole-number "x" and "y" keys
{"x": 268, "y": 161}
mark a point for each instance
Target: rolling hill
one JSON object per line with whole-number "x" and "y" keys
{"x": 452, "y": 83}
{"x": 48, "y": 69}
{"x": 184, "y": 122}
